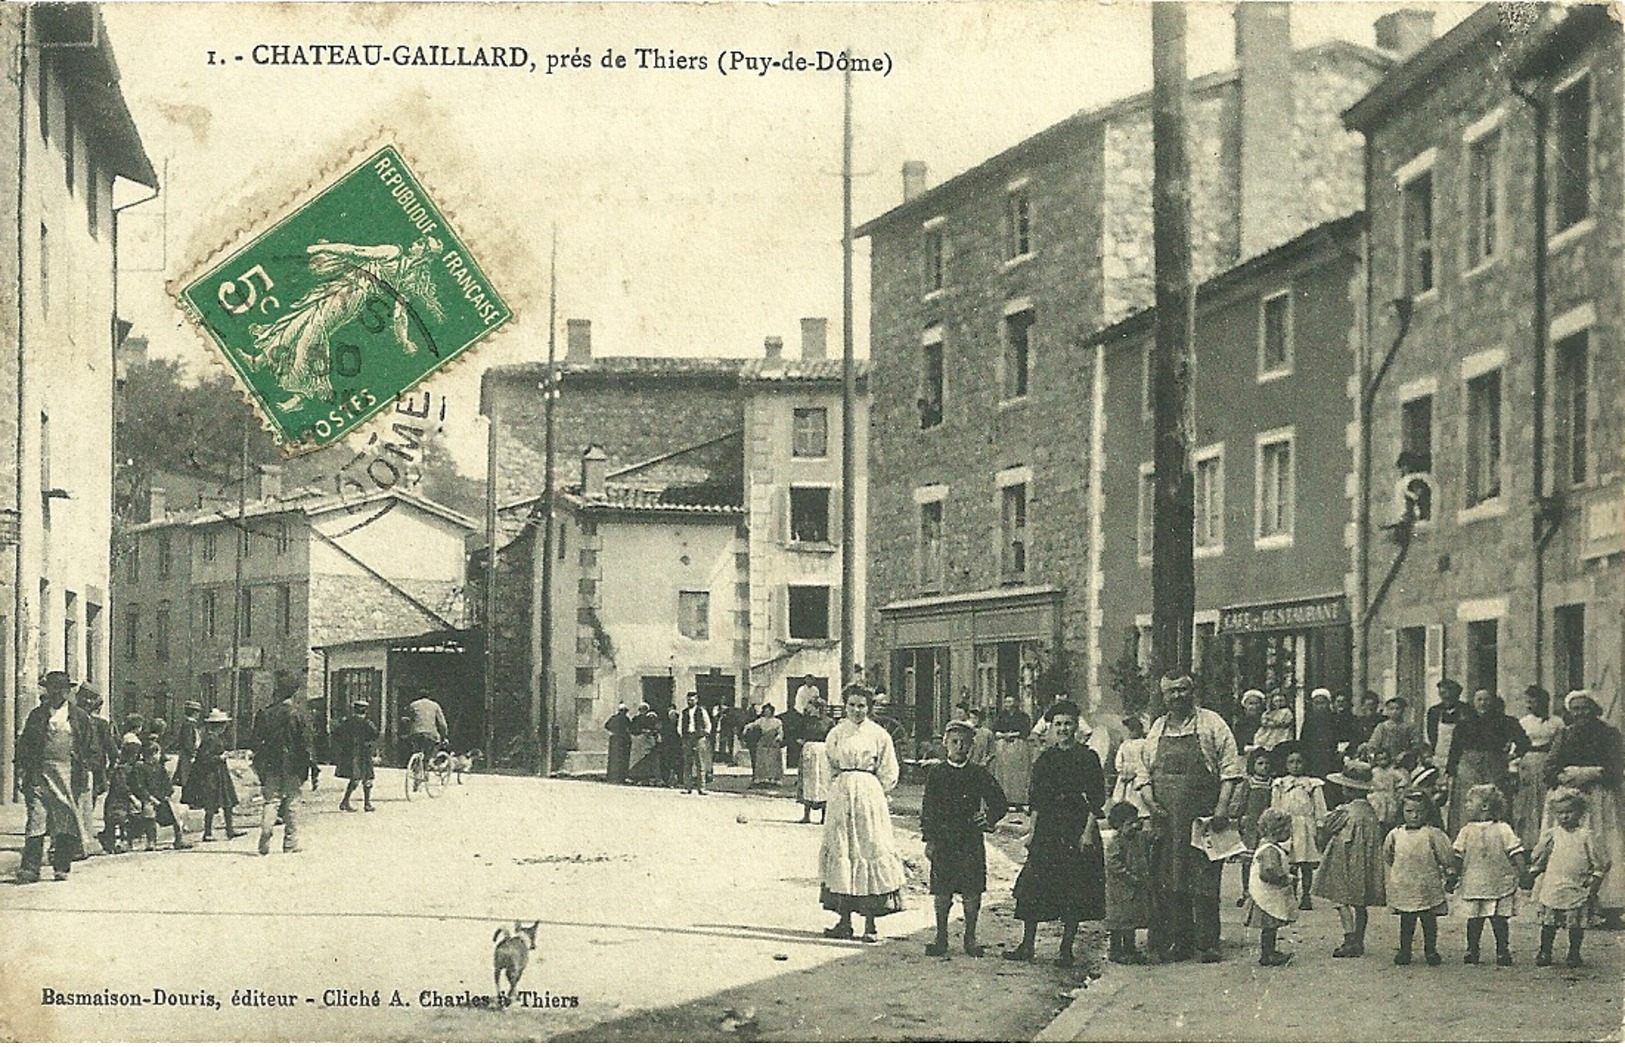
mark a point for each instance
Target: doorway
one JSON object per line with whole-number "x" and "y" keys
{"x": 660, "y": 691}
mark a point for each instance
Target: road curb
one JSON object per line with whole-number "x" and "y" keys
{"x": 1068, "y": 1026}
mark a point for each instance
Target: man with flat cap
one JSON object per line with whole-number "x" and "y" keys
{"x": 54, "y": 763}
{"x": 283, "y": 760}
{"x": 1189, "y": 766}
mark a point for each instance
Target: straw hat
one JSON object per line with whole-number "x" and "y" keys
{"x": 1356, "y": 774}
{"x": 217, "y": 716}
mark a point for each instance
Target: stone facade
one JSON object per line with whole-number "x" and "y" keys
{"x": 1463, "y": 598}
{"x": 1088, "y": 185}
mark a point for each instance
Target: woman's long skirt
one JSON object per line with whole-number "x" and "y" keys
{"x": 812, "y": 782}
{"x": 1013, "y": 768}
{"x": 859, "y": 867}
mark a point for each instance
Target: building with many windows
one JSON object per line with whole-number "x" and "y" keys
{"x": 1273, "y": 354}
{"x": 1491, "y": 545}
{"x": 69, "y": 142}
{"x": 984, "y": 289}
{"x": 212, "y": 606}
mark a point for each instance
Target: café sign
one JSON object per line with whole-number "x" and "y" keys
{"x": 1285, "y": 616}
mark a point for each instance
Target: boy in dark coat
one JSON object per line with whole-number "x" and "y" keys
{"x": 962, "y": 801}
{"x": 160, "y": 790}
{"x": 354, "y": 738}
{"x": 121, "y": 812}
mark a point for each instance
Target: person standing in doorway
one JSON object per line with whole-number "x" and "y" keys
{"x": 1189, "y": 769}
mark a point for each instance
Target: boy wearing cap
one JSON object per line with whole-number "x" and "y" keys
{"x": 961, "y": 802}
{"x": 190, "y": 733}
{"x": 353, "y": 739}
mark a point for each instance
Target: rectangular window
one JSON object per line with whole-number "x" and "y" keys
{"x": 1482, "y": 658}
{"x": 1210, "y": 500}
{"x": 931, "y": 385}
{"x": 245, "y": 627}
{"x": 1416, "y": 435}
{"x": 1483, "y": 438}
{"x": 284, "y": 537}
{"x": 210, "y": 547}
{"x": 1573, "y": 408}
{"x": 934, "y": 256}
{"x": 165, "y": 562}
{"x": 132, "y": 564}
{"x": 132, "y": 633}
{"x": 810, "y": 438}
{"x": 284, "y": 610}
{"x": 1410, "y": 660}
{"x": 1571, "y": 153}
{"x": 1569, "y": 648}
{"x": 930, "y": 549}
{"x": 1483, "y": 199}
{"x": 809, "y": 612}
{"x": 584, "y": 676}
{"x": 1018, "y": 218}
{"x": 160, "y": 630}
{"x": 809, "y": 514}
{"x": 209, "y": 612}
{"x": 1013, "y": 524}
{"x": 1276, "y": 489}
{"x": 1417, "y": 226}
{"x": 1275, "y": 336}
{"x": 1147, "y": 514}
{"x": 694, "y": 615}
{"x": 1018, "y": 328}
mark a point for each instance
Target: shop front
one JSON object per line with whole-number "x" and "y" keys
{"x": 1292, "y": 646}
{"x": 978, "y": 648}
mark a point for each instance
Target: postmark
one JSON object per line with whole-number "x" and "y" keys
{"x": 345, "y": 304}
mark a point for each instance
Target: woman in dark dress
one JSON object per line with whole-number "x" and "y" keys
{"x": 1065, "y": 874}
{"x": 1318, "y": 738}
{"x": 619, "y": 727}
{"x": 353, "y": 738}
{"x": 209, "y": 787}
{"x": 1478, "y": 754}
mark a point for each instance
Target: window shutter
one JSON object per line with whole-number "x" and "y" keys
{"x": 781, "y": 526}
{"x": 780, "y": 621}
{"x": 1435, "y": 658}
{"x": 834, "y": 611}
{"x": 835, "y": 517}
{"x": 1390, "y": 674}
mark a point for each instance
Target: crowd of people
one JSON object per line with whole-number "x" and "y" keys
{"x": 73, "y": 765}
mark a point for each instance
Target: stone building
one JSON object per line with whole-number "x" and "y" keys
{"x": 697, "y": 544}
{"x": 982, "y": 290}
{"x": 1273, "y": 352}
{"x": 1490, "y": 545}
{"x": 299, "y": 573}
{"x": 70, "y": 140}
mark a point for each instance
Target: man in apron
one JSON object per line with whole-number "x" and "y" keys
{"x": 54, "y": 764}
{"x": 1189, "y": 767}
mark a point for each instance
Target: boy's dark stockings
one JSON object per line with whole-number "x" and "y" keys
{"x": 1407, "y": 935}
{"x": 1548, "y": 937}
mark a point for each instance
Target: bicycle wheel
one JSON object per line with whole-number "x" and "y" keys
{"x": 414, "y": 775}
{"x": 435, "y": 775}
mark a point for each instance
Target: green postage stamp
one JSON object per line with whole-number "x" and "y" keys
{"x": 346, "y": 303}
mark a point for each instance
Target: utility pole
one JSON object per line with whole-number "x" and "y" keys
{"x": 1173, "y": 574}
{"x": 237, "y": 582}
{"x": 542, "y": 601}
{"x": 849, "y": 389}
{"x": 490, "y": 601}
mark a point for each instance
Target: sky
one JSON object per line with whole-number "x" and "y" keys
{"x": 696, "y": 212}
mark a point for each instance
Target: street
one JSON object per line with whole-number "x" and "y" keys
{"x": 659, "y": 912}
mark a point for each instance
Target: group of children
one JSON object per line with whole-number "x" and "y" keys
{"x": 141, "y": 790}
{"x": 1356, "y": 857}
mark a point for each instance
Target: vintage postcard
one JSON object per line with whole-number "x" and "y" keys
{"x": 647, "y": 522}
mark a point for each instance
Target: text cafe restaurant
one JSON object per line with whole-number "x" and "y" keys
{"x": 1298, "y": 644}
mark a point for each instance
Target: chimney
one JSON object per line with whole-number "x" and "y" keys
{"x": 814, "y": 335}
{"x": 157, "y": 503}
{"x": 1405, "y": 32}
{"x": 773, "y": 347}
{"x": 594, "y": 468}
{"x": 1270, "y": 206}
{"x": 914, "y": 174}
{"x": 578, "y": 341}
{"x": 270, "y": 482}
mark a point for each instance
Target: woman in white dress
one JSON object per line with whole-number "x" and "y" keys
{"x": 812, "y": 780}
{"x": 859, "y": 868}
